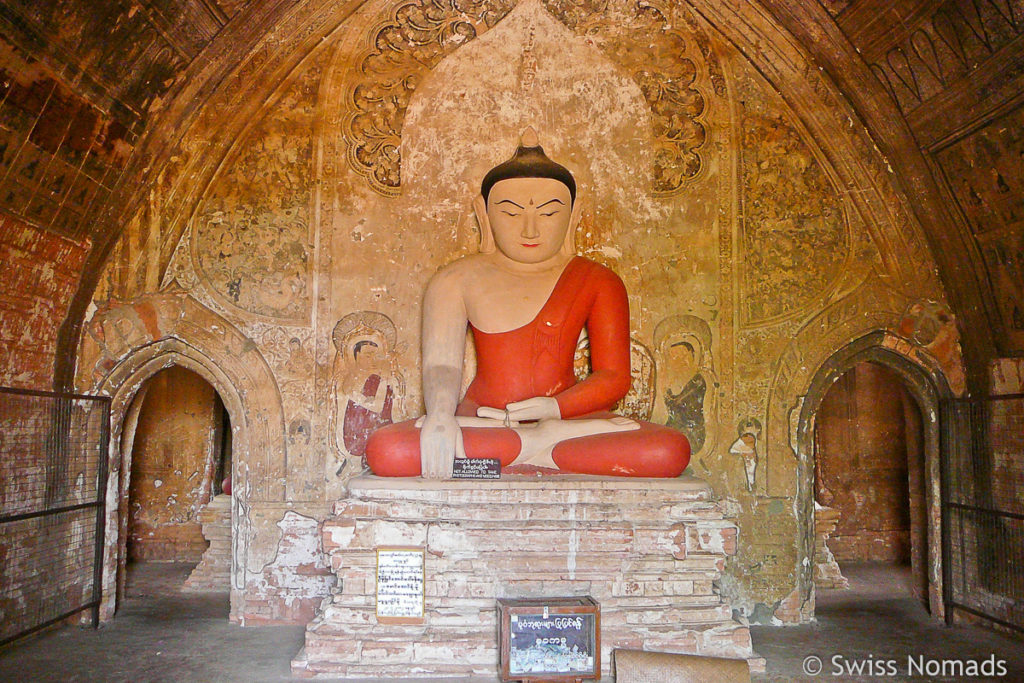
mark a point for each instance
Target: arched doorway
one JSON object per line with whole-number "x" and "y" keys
{"x": 127, "y": 344}
{"x": 128, "y": 385}
{"x": 179, "y": 454}
{"x": 869, "y": 482}
{"x": 922, "y": 379}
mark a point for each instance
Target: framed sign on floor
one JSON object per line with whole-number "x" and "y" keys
{"x": 550, "y": 639}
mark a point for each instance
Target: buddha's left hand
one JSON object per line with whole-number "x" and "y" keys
{"x": 537, "y": 408}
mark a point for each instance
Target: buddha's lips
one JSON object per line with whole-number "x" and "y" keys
{"x": 530, "y": 245}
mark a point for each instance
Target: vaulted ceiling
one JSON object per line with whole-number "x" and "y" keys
{"x": 94, "y": 94}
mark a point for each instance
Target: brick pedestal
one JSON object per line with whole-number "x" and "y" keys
{"x": 213, "y": 573}
{"x": 650, "y": 551}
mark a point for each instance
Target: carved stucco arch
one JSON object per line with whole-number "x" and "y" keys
{"x": 167, "y": 320}
{"x": 867, "y": 309}
{"x": 924, "y": 379}
{"x": 177, "y": 330}
{"x": 863, "y": 174}
{"x": 658, "y": 43}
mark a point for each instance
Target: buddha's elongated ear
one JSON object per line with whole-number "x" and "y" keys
{"x": 486, "y": 234}
{"x": 569, "y": 244}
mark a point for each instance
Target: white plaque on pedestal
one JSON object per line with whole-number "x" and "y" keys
{"x": 400, "y": 585}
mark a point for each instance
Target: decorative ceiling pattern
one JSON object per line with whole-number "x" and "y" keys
{"x": 78, "y": 80}
{"x": 944, "y": 45}
{"x": 125, "y": 54}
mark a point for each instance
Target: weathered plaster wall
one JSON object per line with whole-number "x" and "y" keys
{"x": 725, "y": 179}
{"x": 39, "y": 275}
{"x": 174, "y": 459}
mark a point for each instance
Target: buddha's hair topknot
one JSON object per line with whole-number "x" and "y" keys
{"x": 529, "y": 161}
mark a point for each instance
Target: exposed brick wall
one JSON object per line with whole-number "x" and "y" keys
{"x": 862, "y": 464}
{"x": 37, "y": 279}
{"x": 173, "y": 463}
{"x": 60, "y": 156}
{"x": 985, "y": 570}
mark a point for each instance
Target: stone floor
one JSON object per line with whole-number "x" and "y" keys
{"x": 877, "y": 619}
{"x": 163, "y": 635}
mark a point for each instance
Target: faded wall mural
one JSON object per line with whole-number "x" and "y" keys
{"x": 366, "y": 383}
{"x": 752, "y": 221}
{"x": 688, "y": 389}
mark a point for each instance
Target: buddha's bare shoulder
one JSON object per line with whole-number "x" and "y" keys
{"x": 466, "y": 269}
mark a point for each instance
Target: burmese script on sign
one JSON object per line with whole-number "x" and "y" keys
{"x": 400, "y": 583}
{"x": 551, "y": 644}
{"x": 476, "y": 468}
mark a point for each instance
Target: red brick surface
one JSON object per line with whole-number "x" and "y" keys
{"x": 39, "y": 275}
{"x": 862, "y": 464}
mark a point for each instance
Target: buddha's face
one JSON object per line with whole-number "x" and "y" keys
{"x": 681, "y": 359}
{"x": 529, "y": 217}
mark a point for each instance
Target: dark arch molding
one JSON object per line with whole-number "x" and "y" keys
{"x": 924, "y": 378}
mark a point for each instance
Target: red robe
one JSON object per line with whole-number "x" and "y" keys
{"x": 360, "y": 422}
{"x": 537, "y": 360}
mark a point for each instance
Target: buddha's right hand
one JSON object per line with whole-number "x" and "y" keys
{"x": 440, "y": 444}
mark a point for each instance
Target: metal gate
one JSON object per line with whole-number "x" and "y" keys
{"x": 983, "y": 508}
{"x": 53, "y": 481}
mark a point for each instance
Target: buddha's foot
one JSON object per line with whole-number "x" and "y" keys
{"x": 539, "y": 439}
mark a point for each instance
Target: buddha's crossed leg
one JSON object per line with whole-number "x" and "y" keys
{"x": 603, "y": 444}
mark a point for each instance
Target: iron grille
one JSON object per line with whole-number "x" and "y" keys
{"x": 983, "y": 508}
{"x": 53, "y": 479}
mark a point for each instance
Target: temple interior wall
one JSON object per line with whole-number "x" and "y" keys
{"x": 253, "y": 189}
{"x": 750, "y": 218}
{"x": 175, "y": 455}
{"x": 870, "y": 465}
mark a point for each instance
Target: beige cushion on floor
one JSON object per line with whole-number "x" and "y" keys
{"x": 636, "y": 666}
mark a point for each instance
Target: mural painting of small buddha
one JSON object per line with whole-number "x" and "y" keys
{"x": 366, "y": 383}
{"x": 683, "y": 345}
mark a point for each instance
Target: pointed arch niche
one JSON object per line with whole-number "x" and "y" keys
{"x": 127, "y": 345}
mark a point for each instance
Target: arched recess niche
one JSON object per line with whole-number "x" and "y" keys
{"x": 924, "y": 379}
{"x": 158, "y": 332}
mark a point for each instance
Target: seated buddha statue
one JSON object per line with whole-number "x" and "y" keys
{"x": 526, "y": 297}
